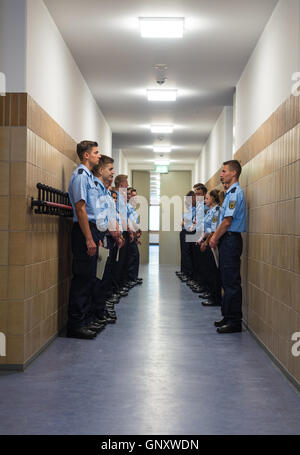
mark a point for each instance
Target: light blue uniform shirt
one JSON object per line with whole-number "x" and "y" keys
{"x": 131, "y": 213}
{"x": 211, "y": 219}
{"x": 201, "y": 210}
{"x": 121, "y": 206}
{"x": 234, "y": 205}
{"x": 82, "y": 187}
{"x": 189, "y": 217}
{"x": 105, "y": 207}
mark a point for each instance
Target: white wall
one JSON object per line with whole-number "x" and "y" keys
{"x": 266, "y": 81}
{"x": 55, "y": 82}
{"x": 218, "y": 147}
{"x": 13, "y": 44}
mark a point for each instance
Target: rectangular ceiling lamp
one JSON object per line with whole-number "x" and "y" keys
{"x": 161, "y": 27}
{"x": 162, "y": 129}
{"x": 162, "y": 149}
{"x": 162, "y": 95}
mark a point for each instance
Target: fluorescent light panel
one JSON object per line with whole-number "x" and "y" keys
{"x": 162, "y": 149}
{"x": 161, "y": 27}
{"x": 162, "y": 95}
{"x": 162, "y": 129}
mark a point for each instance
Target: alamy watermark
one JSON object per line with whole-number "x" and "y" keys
{"x": 177, "y": 213}
{"x": 2, "y": 84}
{"x": 296, "y": 345}
{"x": 2, "y": 345}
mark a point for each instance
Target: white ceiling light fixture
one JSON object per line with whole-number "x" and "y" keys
{"x": 161, "y": 27}
{"x": 162, "y": 129}
{"x": 162, "y": 95}
{"x": 162, "y": 148}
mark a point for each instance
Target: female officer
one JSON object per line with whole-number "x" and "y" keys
{"x": 211, "y": 270}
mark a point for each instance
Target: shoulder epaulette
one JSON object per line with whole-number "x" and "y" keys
{"x": 80, "y": 171}
{"x": 233, "y": 190}
{"x": 96, "y": 183}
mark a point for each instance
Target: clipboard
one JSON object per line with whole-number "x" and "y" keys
{"x": 215, "y": 252}
{"x": 101, "y": 262}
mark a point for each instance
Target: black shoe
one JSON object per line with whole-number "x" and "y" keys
{"x": 115, "y": 295}
{"x": 111, "y": 313}
{"x": 220, "y": 323}
{"x": 123, "y": 293}
{"x": 204, "y": 295}
{"x": 100, "y": 321}
{"x": 82, "y": 333}
{"x": 137, "y": 282}
{"x": 184, "y": 279}
{"x": 210, "y": 302}
{"x": 191, "y": 283}
{"x": 111, "y": 300}
{"x": 110, "y": 320}
{"x": 110, "y": 308}
{"x": 230, "y": 327}
{"x": 197, "y": 289}
{"x": 125, "y": 289}
{"x": 95, "y": 327}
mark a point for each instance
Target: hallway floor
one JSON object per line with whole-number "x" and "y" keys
{"x": 162, "y": 369}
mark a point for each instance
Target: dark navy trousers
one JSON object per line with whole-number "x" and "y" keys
{"x": 133, "y": 260}
{"x": 86, "y": 300}
{"x": 230, "y": 250}
{"x": 186, "y": 249}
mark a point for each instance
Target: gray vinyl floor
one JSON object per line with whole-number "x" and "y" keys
{"x": 162, "y": 369}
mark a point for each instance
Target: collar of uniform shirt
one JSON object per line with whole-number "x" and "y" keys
{"x": 82, "y": 166}
{"x": 101, "y": 184}
{"x": 234, "y": 185}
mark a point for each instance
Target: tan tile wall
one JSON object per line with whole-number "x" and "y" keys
{"x": 272, "y": 183}
{"x": 35, "y": 259}
{"x": 271, "y": 257}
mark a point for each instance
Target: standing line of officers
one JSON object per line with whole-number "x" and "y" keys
{"x": 211, "y": 262}
{"x": 105, "y": 228}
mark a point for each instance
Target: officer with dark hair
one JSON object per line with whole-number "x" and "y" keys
{"x": 188, "y": 229}
{"x": 228, "y": 236}
{"x": 197, "y": 283}
{"x": 85, "y": 241}
{"x": 135, "y": 233}
{"x": 211, "y": 271}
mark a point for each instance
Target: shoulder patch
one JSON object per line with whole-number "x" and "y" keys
{"x": 80, "y": 171}
{"x": 232, "y": 205}
{"x": 233, "y": 190}
{"x": 214, "y": 220}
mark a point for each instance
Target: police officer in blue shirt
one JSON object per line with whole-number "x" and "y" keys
{"x": 211, "y": 271}
{"x": 85, "y": 240}
{"x": 107, "y": 223}
{"x": 188, "y": 229}
{"x": 134, "y": 233}
{"x": 197, "y": 283}
{"x": 228, "y": 236}
{"x": 121, "y": 185}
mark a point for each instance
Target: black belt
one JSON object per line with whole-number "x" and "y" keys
{"x": 90, "y": 222}
{"x": 230, "y": 233}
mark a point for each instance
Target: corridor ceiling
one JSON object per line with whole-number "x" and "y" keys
{"x": 118, "y": 65}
